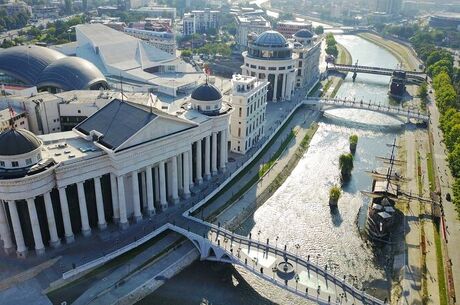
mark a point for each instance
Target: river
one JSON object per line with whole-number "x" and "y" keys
{"x": 298, "y": 213}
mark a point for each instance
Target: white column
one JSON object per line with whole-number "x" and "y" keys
{"x": 54, "y": 238}
{"x": 21, "y": 248}
{"x": 186, "y": 192}
{"x": 149, "y": 186}
{"x": 214, "y": 154}
{"x": 39, "y": 247}
{"x": 115, "y": 205}
{"x": 5, "y": 233}
{"x": 207, "y": 158}
{"x": 136, "y": 199}
{"x": 199, "y": 177}
{"x": 283, "y": 90}
{"x": 157, "y": 183}
{"x": 85, "y": 229}
{"x": 275, "y": 88}
{"x": 122, "y": 202}
{"x": 69, "y": 238}
{"x": 144, "y": 190}
{"x": 162, "y": 180}
{"x": 99, "y": 204}
{"x": 168, "y": 180}
{"x": 223, "y": 149}
{"x": 174, "y": 188}
{"x": 179, "y": 174}
{"x": 190, "y": 164}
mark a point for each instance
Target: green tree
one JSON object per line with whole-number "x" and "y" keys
{"x": 319, "y": 30}
{"x": 353, "y": 143}
{"x": 423, "y": 91}
{"x": 454, "y": 161}
{"x": 346, "y": 165}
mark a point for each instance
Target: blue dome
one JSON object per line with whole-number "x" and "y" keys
{"x": 17, "y": 142}
{"x": 206, "y": 93}
{"x": 271, "y": 39}
{"x": 303, "y": 34}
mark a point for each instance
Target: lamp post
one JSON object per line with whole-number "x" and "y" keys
{"x": 297, "y": 246}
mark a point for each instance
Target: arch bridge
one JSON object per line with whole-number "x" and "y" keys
{"x": 360, "y": 104}
{"x": 278, "y": 266}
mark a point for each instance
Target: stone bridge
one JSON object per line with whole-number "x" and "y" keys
{"x": 355, "y": 104}
{"x": 278, "y": 266}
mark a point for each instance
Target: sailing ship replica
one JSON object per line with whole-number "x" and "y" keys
{"x": 384, "y": 194}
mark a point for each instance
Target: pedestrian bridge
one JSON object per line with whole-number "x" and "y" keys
{"x": 277, "y": 266}
{"x": 355, "y": 104}
{"x": 411, "y": 76}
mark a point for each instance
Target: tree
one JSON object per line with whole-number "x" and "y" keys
{"x": 186, "y": 53}
{"x": 353, "y": 143}
{"x": 319, "y": 30}
{"x": 454, "y": 161}
{"x": 334, "y": 195}
{"x": 346, "y": 165}
{"x": 423, "y": 91}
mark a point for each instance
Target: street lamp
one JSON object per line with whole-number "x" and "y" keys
{"x": 297, "y": 246}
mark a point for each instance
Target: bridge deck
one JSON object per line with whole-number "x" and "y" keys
{"x": 307, "y": 280}
{"x": 398, "y": 111}
{"x": 410, "y": 75}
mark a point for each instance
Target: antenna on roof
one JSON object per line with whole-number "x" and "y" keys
{"x": 11, "y": 111}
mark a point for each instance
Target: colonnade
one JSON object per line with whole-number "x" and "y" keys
{"x": 160, "y": 185}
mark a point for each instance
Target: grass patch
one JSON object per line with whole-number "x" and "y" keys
{"x": 71, "y": 291}
{"x": 430, "y": 168}
{"x": 245, "y": 170}
{"x": 326, "y": 87}
{"x": 344, "y": 57}
{"x": 336, "y": 88}
{"x": 440, "y": 265}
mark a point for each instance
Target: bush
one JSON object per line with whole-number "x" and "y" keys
{"x": 335, "y": 192}
{"x": 346, "y": 165}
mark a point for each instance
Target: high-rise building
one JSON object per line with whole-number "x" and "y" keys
{"x": 249, "y": 24}
{"x": 247, "y": 121}
{"x": 270, "y": 57}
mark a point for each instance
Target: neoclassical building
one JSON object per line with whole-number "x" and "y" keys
{"x": 270, "y": 57}
{"x": 124, "y": 162}
{"x": 307, "y": 46}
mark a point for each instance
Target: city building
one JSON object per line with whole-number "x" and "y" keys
{"x": 43, "y": 11}
{"x": 445, "y": 20}
{"x": 307, "y": 46}
{"x": 270, "y": 57}
{"x": 124, "y": 162}
{"x": 289, "y": 28}
{"x": 157, "y": 11}
{"x": 206, "y": 20}
{"x": 13, "y": 116}
{"x": 49, "y": 69}
{"x": 134, "y": 63}
{"x": 164, "y": 41}
{"x": 249, "y": 100}
{"x": 16, "y": 7}
{"x": 249, "y": 24}
{"x": 188, "y": 24}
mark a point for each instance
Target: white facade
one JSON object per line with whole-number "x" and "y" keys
{"x": 308, "y": 50}
{"x": 247, "y": 24}
{"x": 17, "y": 115}
{"x": 249, "y": 100}
{"x": 188, "y": 24}
{"x": 273, "y": 61}
{"x": 162, "y": 40}
{"x": 206, "y": 20}
{"x": 84, "y": 180}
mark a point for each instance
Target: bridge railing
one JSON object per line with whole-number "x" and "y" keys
{"x": 377, "y": 69}
{"x": 245, "y": 241}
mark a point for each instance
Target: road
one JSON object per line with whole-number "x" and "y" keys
{"x": 445, "y": 178}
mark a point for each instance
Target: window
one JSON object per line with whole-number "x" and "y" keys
{"x": 282, "y": 68}
{"x": 208, "y": 107}
{"x": 240, "y": 111}
{"x": 272, "y": 68}
{"x": 79, "y": 111}
{"x": 28, "y": 161}
{"x": 14, "y": 163}
{"x": 253, "y": 67}
{"x": 39, "y": 157}
{"x": 2, "y": 163}
{"x": 239, "y": 132}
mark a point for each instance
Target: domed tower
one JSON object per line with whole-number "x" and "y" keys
{"x": 207, "y": 99}
{"x": 305, "y": 37}
{"x": 20, "y": 149}
{"x": 270, "y": 57}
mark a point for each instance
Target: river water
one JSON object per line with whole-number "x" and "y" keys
{"x": 298, "y": 213}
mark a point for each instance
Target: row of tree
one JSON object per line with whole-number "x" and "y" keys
{"x": 15, "y": 21}
{"x": 331, "y": 45}
{"x": 446, "y": 83}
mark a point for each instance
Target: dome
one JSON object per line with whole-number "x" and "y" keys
{"x": 71, "y": 73}
{"x": 43, "y": 67}
{"x": 271, "y": 39}
{"x": 17, "y": 142}
{"x": 206, "y": 92}
{"x": 27, "y": 62}
{"x": 305, "y": 34}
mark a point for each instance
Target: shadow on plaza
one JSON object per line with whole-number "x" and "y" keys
{"x": 206, "y": 283}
